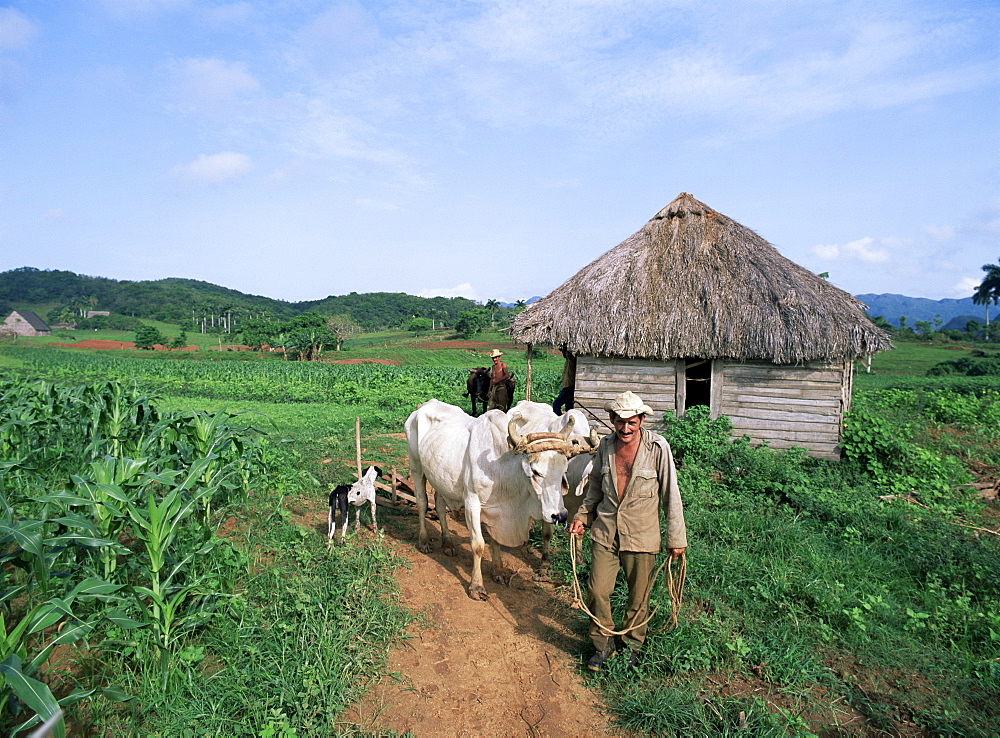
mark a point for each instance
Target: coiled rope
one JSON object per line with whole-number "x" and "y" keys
{"x": 674, "y": 584}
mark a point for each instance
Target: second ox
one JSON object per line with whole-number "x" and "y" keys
{"x": 505, "y": 469}
{"x": 477, "y": 388}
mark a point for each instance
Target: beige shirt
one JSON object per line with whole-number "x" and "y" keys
{"x": 569, "y": 372}
{"x": 635, "y": 519}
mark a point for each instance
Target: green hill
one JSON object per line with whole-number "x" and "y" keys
{"x": 61, "y": 295}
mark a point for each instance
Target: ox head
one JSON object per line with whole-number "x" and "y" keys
{"x": 544, "y": 458}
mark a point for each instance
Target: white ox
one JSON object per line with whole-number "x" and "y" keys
{"x": 505, "y": 469}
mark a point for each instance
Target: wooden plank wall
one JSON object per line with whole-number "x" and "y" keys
{"x": 599, "y": 380}
{"x": 785, "y": 405}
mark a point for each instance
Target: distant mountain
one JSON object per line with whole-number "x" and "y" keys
{"x": 891, "y": 307}
{"x": 530, "y": 300}
{"x": 959, "y": 323}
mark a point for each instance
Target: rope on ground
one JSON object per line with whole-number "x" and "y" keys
{"x": 674, "y": 586}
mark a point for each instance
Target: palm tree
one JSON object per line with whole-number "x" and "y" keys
{"x": 492, "y": 305}
{"x": 989, "y": 290}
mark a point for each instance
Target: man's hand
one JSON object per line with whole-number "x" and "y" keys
{"x": 676, "y": 553}
{"x": 576, "y": 528}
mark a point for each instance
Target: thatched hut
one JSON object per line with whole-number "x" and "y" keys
{"x": 696, "y": 309}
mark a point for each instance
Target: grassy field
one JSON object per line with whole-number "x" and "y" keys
{"x": 818, "y": 594}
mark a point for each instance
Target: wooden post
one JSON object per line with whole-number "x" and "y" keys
{"x": 394, "y": 490}
{"x": 527, "y": 379}
{"x": 357, "y": 443}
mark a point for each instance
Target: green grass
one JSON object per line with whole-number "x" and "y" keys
{"x": 911, "y": 358}
{"x": 809, "y": 598}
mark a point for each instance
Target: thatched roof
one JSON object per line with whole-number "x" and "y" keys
{"x": 694, "y": 283}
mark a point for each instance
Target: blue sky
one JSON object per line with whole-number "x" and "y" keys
{"x": 298, "y": 149}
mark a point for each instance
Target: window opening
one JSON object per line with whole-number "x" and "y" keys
{"x": 698, "y": 382}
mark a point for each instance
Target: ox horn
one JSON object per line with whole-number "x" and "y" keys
{"x": 566, "y": 430}
{"x": 585, "y": 444}
{"x": 513, "y": 439}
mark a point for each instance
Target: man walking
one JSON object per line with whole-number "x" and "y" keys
{"x": 633, "y": 479}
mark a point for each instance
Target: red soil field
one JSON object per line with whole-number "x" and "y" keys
{"x": 387, "y": 362}
{"x": 93, "y": 343}
{"x": 469, "y": 345}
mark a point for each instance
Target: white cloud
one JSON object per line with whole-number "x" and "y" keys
{"x": 371, "y": 203}
{"x": 212, "y": 82}
{"x": 942, "y": 233}
{"x": 613, "y": 66}
{"x": 463, "y": 290}
{"x": 214, "y": 168}
{"x": 966, "y": 287}
{"x": 16, "y": 30}
{"x": 229, "y": 14}
{"x": 867, "y": 250}
{"x": 125, "y": 9}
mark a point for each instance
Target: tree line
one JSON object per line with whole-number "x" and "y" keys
{"x": 203, "y": 307}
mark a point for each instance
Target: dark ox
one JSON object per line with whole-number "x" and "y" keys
{"x": 477, "y": 387}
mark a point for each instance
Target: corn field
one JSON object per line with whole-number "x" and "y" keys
{"x": 106, "y": 524}
{"x": 393, "y": 388}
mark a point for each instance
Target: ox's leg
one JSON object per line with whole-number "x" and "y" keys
{"x": 501, "y": 574}
{"x": 447, "y": 542}
{"x": 374, "y": 518}
{"x": 420, "y": 490}
{"x": 546, "y": 541}
{"x": 542, "y": 575}
{"x": 473, "y": 521}
{"x": 331, "y": 526}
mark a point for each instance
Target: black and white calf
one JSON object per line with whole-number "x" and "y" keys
{"x": 356, "y": 494}
{"x": 363, "y": 491}
{"x": 338, "y": 504}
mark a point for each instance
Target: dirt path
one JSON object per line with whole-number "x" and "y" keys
{"x": 505, "y": 667}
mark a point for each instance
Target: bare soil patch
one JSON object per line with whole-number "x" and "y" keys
{"x": 105, "y": 345}
{"x": 385, "y": 362}
{"x": 504, "y": 667}
{"x": 474, "y": 346}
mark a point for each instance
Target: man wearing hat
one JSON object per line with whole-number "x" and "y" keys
{"x": 633, "y": 479}
{"x": 501, "y": 383}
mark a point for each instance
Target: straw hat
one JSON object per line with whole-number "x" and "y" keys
{"x": 628, "y": 404}
{"x": 495, "y": 353}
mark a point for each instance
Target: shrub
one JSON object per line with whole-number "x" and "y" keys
{"x": 697, "y": 435}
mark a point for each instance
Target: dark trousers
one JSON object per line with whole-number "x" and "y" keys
{"x": 638, "y": 568}
{"x": 563, "y": 400}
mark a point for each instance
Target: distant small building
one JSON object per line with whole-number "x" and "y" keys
{"x": 26, "y": 323}
{"x": 92, "y": 313}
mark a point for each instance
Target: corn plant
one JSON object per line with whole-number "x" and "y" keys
{"x": 158, "y": 524}
{"x": 18, "y": 686}
{"x": 117, "y": 414}
{"x": 110, "y": 486}
{"x": 209, "y": 438}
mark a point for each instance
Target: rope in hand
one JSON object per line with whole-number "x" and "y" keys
{"x": 674, "y": 586}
